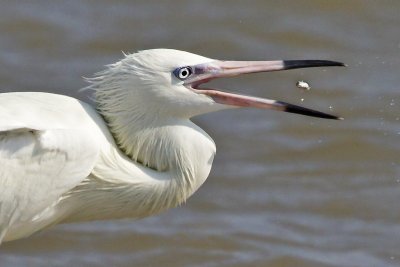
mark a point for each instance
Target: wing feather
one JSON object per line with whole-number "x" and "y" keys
{"x": 39, "y": 164}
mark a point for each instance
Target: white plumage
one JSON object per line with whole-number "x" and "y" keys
{"x": 137, "y": 153}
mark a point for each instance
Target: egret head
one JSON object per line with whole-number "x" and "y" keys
{"x": 166, "y": 82}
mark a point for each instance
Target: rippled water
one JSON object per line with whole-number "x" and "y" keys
{"x": 285, "y": 190}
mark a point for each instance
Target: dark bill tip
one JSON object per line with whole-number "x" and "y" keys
{"x": 307, "y": 112}
{"x": 297, "y": 64}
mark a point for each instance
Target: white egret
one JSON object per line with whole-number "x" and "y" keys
{"x": 135, "y": 154}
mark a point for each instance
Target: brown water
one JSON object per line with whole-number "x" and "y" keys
{"x": 285, "y": 190}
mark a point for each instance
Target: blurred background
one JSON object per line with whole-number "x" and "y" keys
{"x": 285, "y": 190}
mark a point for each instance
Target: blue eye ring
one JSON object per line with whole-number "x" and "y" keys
{"x": 183, "y": 72}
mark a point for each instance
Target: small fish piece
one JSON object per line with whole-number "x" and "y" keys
{"x": 303, "y": 85}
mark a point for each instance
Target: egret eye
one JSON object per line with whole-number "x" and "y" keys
{"x": 183, "y": 73}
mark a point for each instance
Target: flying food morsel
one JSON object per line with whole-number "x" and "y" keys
{"x": 303, "y": 85}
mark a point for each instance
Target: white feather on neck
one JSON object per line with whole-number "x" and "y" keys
{"x": 141, "y": 123}
{"x": 169, "y": 157}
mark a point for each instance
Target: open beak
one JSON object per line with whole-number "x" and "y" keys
{"x": 217, "y": 69}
